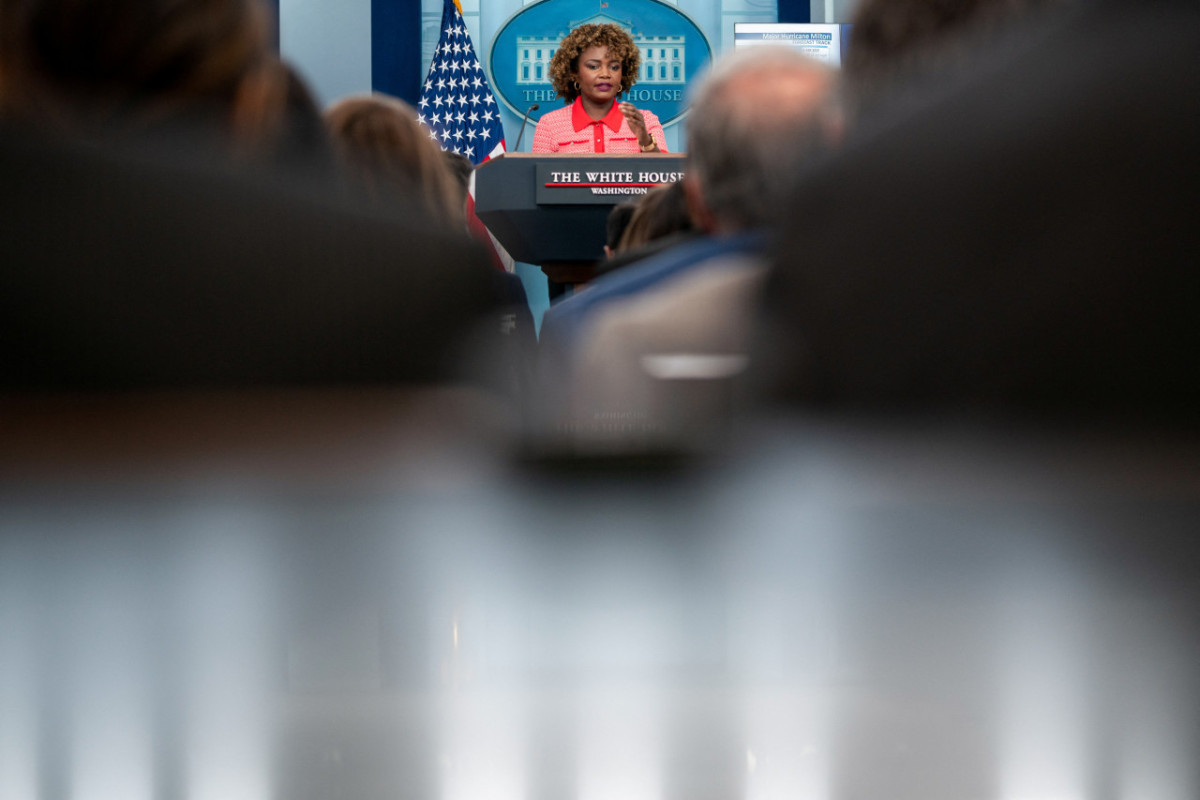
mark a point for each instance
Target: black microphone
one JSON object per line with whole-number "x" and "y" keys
{"x": 524, "y": 120}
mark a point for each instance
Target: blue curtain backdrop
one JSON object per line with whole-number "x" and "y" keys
{"x": 396, "y": 48}
{"x": 795, "y": 11}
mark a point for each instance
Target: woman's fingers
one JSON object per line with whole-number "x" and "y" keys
{"x": 633, "y": 115}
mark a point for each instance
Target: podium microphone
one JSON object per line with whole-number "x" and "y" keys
{"x": 524, "y": 120}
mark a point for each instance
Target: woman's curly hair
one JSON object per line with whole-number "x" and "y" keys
{"x": 565, "y": 63}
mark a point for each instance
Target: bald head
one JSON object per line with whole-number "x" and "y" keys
{"x": 754, "y": 118}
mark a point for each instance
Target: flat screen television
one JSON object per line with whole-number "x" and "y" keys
{"x": 824, "y": 42}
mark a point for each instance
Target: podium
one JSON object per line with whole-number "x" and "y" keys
{"x": 551, "y": 209}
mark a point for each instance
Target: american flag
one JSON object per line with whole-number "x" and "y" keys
{"x": 457, "y": 104}
{"x": 460, "y": 111}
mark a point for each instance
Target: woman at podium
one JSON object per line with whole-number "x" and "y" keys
{"x": 593, "y": 66}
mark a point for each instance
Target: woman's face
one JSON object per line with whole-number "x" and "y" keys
{"x": 599, "y": 75}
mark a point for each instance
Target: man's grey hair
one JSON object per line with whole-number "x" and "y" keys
{"x": 755, "y": 115}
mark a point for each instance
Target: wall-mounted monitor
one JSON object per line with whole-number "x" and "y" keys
{"x": 824, "y": 42}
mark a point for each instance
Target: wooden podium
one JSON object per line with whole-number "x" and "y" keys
{"x": 551, "y": 209}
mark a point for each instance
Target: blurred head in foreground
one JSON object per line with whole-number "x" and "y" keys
{"x": 754, "y": 118}
{"x": 124, "y": 67}
{"x": 662, "y": 212}
{"x": 617, "y": 222}
{"x": 460, "y": 170}
{"x": 387, "y": 155}
{"x": 131, "y": 266}
{"x": 1014, "y": 239}
{"x": 893, "y": 41}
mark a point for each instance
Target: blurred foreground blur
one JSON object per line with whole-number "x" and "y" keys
{"x": 332, "y": 596}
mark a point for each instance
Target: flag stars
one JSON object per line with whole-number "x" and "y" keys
{"x": 454, "y": 106}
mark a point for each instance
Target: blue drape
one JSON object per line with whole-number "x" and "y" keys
{"x": 396, "y": 48}
{"x": 795, "y": 11}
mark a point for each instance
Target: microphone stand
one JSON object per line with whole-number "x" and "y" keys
{"x": 524, "y": 122}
